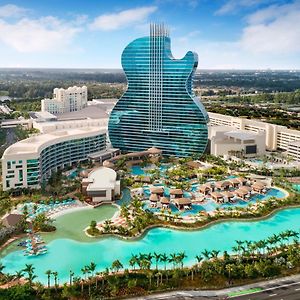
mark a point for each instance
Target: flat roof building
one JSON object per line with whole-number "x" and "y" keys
{"x": 101, "y": 185}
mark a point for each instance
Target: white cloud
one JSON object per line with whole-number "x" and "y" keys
{"x": 11, "y": 10}
{"x": 44, "y": 34}
{"x": 275, "y": 29}
{"x": 122, "y": 19}
{"x": 232, "y": 6}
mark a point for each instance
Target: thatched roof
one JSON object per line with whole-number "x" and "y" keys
{"x": 242, "y": 179}
{"x": 227, "y": 194}
{"x": 234, "y": 180}
{"x": 204, "y": 188}
{"x": 216, "y": 195}
{"x": 164, "y": 200}
{"x": 220, "y": 184}
{"x": 153, "y": 198}
{"x": 246, "y": 188}
{"x": 176, "y": 192}
{"x": 182, "y": 201}
{"x": 194, "y": 164}
{"x": 157, "y": 190}
{"x": 154, "y": 150}
{"x": 242, "y": 192}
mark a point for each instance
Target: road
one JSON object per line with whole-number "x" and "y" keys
{"x": 287, "y": 288}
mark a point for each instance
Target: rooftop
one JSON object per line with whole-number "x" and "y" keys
{"x": 102, "y": 178}
{"x": 35, "y": 144}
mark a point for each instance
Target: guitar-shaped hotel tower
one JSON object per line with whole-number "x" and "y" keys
{"x": 159, "y": 108}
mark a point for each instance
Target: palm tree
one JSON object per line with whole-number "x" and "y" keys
{"x": 214, "y": 254}
{"x": 29, "y": 269}
{"x": 55, "y": 274}
{"x": 92, "y": 267}
{"x": 164, "y": 259}
{"x": 206, "y": 254}
{"x": 199, "y": 258}
{"x": 71, "y": 274}
{"x": 84, "y": 271}
{"x": 48, "y": 273}
{"x": 18, "y": 275}
{"x": 180, "y": 257}
{"x": 1, "y": 268}
{"x": 116, "y": 265}
{"x": 172, "y": 259}
{"x": 133, "y": 261}
{"x": 157, "y": 259}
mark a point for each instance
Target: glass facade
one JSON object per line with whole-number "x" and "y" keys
{"x": 69, "y": 152}
{"x": 159, "y": 108}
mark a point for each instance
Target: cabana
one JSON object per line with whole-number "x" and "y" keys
{"x": 218, "y": 197}
{"x": 228, "y": 195}
{"x": 259, "y": 187}
{"x": 242, "y": 180}
{"x": 159, "y": 191}
{"x": 165, "y": 202}
{"x": 222, "y": 185}
{"x": 176, "y": 193}
{"x": 153, "y": 200}
{"x": 234, "y": 182}
{"x": 241, "y": 193}
{"x": 206, "y": 188}
{"x": 183, "y": 203}
{"x": 246, "y": 188}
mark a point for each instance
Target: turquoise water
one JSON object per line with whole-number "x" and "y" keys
{"x": 296, "y": 187}
{"x": 138, "y": 170}
{"x": 65, "y": 254}
{"x": 211, "y": 205}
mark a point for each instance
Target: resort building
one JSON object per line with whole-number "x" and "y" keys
{"x": 277, "y": 137}
{"x": 66, "y": 100}
{"x": 101, "y": 185}
{"x": 159, "y": 108}
{"x": 239, "y": 143}
{"x": 27, "y": 163}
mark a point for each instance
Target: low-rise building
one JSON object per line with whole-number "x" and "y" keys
{"x": 241, "y": 143}
{"x": 101, "y": 185}
{"x": 277, "y": 137}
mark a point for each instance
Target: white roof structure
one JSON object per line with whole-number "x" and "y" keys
{"x": 101, "y": 179}
{"x": 35, "y": 144}
{"x": 242, "y": 135}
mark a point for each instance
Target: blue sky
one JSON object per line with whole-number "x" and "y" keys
{"x": 226, "y": 34}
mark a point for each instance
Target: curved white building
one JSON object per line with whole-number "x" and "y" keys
{"x": 27, "y": 163}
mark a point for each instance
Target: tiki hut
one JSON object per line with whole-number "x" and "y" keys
{"x": 227, "y": 195}
{"x": 216, "y": 196}
{"x": 241, "y": 193}
{"x": 258, "y": 187}
{"x": 222, "y": 185}
{"x": 194, "y": 164}
{"x": 242, "y": 180}
{"x": 246, "y": 188}
{"x": 176, "y": 193}
{"x": 234, "y": 182}
{"x": 183, "y": 203}
{"x": 206, "y": 188}
{"x": 153, "y": 198}
{"x": 165, "y": 201}
{"x": 159, "y": 191}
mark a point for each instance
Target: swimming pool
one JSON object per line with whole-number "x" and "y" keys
{"x": 138, "y": 170}
{"x": 66, "y": 254}
{"x": 296, "y": 187}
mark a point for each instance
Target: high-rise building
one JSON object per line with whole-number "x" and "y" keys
{"x": 159, "y": 108}
{"x": 66, "y": 100}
